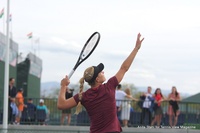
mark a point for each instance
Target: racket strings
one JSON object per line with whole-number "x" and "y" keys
{"x": 91, "y": 44}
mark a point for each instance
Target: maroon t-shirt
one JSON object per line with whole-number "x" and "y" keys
{"x": 101, "y": 107}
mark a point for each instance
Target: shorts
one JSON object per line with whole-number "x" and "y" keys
{"x": 159, "y": 111}
{"x": 19, "y": 114}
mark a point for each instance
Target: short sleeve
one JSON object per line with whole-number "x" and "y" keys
{"x": 112, "y": 82}
{"x": 76, "y": 98}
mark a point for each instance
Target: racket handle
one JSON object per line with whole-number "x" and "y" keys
{"x": 71, "y": 73}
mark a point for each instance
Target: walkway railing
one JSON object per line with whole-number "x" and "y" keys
{"x": 189, "y": 114}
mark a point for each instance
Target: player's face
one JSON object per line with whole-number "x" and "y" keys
{"x": 101, "y": 77}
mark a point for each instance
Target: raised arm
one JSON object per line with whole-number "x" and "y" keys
{"x": 127, "y": 63}
{"x": 64, "y": 103}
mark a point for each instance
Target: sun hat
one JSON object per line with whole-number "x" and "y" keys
{"x": 90, "y": 75}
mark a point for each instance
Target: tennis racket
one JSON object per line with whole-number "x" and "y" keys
{"x": 87, "y": 50}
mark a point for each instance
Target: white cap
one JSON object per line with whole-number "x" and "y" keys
{"x": 41, "y": 101}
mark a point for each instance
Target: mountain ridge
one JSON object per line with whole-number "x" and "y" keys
{"x": 50, "y": 87}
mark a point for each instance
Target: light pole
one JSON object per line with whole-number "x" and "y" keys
{"x": 6, "y": 78}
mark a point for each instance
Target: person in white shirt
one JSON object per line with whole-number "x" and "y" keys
{"x": 126, "y": 107}
{"x": 120, "y": 97}
{"x": 146, "y": 106}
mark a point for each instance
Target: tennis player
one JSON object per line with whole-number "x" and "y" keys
{"x": 99, "y": 100}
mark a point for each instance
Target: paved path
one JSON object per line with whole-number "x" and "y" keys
{"x": 85, "y": 129}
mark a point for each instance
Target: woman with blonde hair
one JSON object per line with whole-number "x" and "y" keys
{"x": 99, "y": 100}
{"x": 126, "y": 107}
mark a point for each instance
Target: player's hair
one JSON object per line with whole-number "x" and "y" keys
{"x": 88, "y": 74}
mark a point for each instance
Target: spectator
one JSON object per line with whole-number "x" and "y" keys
{"x": 119, "y": 96}
{"x": 30, "y": 110}
{"x": 126, "y": 107}
{"x": 173, "y": 108}
{"x": 146, "y": 105}
{"x": 20, "y": 105}
{"x": 30, "y": 105}
{"x": 41, "y": 106}
{"x": 67, "y": 112}
{"x": 14, "y": 110}
{"x": 11, "y": 95}
{"x": 157, "y": 107}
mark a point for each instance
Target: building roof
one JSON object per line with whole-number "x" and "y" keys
{"x": 194, "y": 98}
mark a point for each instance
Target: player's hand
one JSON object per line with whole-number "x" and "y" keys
{"x": 65, "y": 81}
{"x": 138, "y": 41}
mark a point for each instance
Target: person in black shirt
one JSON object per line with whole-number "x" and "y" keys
{"x": 67, "y": 112}
{"x": 11, "y": 95}
{"x": 30, "y": 105}
{"x": 30, "y": 109}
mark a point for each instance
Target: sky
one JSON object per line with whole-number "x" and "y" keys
{"x": 169, "y": 55}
